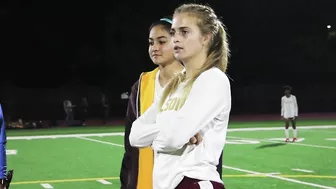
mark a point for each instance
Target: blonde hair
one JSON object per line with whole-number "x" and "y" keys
{"x": 218, "y": 52}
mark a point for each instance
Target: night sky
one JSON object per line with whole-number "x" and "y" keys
{"x": 49, "y": 44}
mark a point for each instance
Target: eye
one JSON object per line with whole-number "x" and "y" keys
{"x": 172, "y": 32}
{"x": 162, "y": 42}
{"x": 184, "y": 32}
{"x": 151, "y": 43}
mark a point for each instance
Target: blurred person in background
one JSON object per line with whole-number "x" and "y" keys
{"x": 105, "y": 108}
{"x": 68, "y": 108}
{"x": 84, "y": 110}
{"x": 289, "y": 112}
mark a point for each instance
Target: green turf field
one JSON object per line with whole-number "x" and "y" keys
{"x": 253, "y": 159}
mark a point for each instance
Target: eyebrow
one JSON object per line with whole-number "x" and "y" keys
{"x": 158, "y": 37}
{"x": 181, "y": 28}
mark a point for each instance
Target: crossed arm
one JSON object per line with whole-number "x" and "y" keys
{"x": 208, "y": 97}
{"x": 144, "y": 129}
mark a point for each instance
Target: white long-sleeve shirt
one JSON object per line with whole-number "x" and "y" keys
{"x": 206, "y": 110}
{"x": 289, "y": 107}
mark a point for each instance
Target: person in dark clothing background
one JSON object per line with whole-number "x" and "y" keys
{"x": 84, "y": 109}
{"x": 105, "y": 108}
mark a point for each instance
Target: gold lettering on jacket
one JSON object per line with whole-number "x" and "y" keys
{"x": 175, "y": 103}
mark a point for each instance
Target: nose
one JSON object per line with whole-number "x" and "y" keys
{"x": 176, "y": 39}
{"x": 155, "y": 47}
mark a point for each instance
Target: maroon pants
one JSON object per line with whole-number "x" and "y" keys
{"x": 189, "y": 183}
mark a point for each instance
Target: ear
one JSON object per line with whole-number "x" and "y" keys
{"x": 206, "y": 39}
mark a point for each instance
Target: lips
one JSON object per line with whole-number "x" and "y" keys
{"x": 177, "y": 48}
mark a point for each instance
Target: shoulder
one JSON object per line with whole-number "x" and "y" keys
{"x": 135, "y": 85}
{"x": 213, "y": 76}
{"x": 283, "y": 97}
{"x": 153, "y": 72}
{"x": 144, "y": 74}
{"x": 212, "y": 81}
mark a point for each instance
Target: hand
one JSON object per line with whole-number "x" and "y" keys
{"x": 197, "y": 139}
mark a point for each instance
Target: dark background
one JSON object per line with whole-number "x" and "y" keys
{"x": 58, "y": 50}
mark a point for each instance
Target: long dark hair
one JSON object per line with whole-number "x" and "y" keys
{"x": 166, "y": 22}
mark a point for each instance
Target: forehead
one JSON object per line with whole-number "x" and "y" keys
{"x": 184, "y": 20}
{"x": 158, "y": 31}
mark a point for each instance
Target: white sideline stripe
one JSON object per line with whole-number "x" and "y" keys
{"x": 104, "y": 181}
{"x": 303, "y": 170}
{"x": 289, "y": 143}
{"x": 279, "y": 177}
{"x": 122, "y": 134}
{"x": 63, "y": 136}
{"x": 282, "y": 128}
{"x": 323, "y": 131}
{"x": 331, "y": 139}
{"x": 99, "y": 141}
{"x": 47, "y": 186}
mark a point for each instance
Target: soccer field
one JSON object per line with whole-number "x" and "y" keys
{"x": 90, "y": 158}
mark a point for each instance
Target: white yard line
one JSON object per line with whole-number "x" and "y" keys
{"x": 104, "y": 181}
{"x": 279, "y": 177}
{"x": 303, "y": 170}
{"x": 275, "y": 173}
{"x": 99, "y": 141}
{"x": 46, "y": 186}
{"x": 11, "y": 152}
{"x": 289, "y": 143}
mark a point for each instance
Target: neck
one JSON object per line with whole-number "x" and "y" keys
{"x": 168, "y": 71}
{"x": 194, "y": 64}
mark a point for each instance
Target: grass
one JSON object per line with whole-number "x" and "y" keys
{"x": 71, "y": 163}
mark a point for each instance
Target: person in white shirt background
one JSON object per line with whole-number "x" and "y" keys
{"x": 195, "y": 101}
{"x": 289, "y": 112}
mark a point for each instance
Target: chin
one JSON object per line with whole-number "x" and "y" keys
{"x": 161, "y": 63}
{"x": 180, "y": 57}
{"x": 156, "y": 63}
